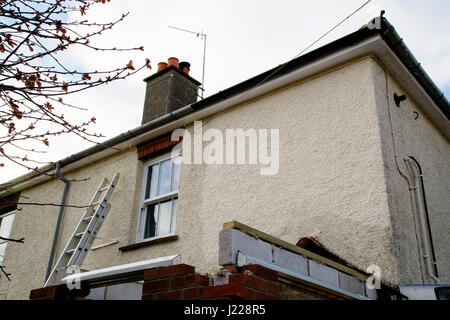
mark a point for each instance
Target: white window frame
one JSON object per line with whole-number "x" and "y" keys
{"x": 4, "y": 242}
{"x": 158, "y": 199}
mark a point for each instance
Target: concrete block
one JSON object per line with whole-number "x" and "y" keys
{"x": 226, "y": 247}
{"x": 323, "y": 273}
{"x": 96, "y": 294}
{"x": 350, "y": 283}
{"x": 291, "y": 261}
{"x": 232, "y": 241}
{"x": 125, "y": 291}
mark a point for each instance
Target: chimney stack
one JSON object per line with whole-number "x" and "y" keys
{"x": 169, "y": 89}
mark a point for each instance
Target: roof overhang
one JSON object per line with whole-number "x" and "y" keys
{"x": 363, "y": 43}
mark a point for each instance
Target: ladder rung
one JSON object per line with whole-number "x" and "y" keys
{"x": 79, "y": 235}
{"x": 71, "y": 251}
{"x": 88, "y": 218}
{"x": 103, "y": 189}
{"x": 95, "y": 203}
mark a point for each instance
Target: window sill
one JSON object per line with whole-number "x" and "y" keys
{"x": 150, "y": 242}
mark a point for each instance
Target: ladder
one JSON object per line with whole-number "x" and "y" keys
{"x": 85, "y": 232}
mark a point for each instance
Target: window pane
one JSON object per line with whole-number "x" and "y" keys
{"x": 164, "y": 177}
{"x": 152, "y": 182}
{"x": 165, "y": 217}
{"x": 2, "y": 252}
{"x": 5, "y": 230}
{"x": 175, "y": 176}
{"x": 5, "y": 225}
{"x": 150, "y": 221}
{"x": 174, "y": 214}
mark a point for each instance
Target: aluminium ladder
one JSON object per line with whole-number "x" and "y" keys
{"x": 85, "y": 232}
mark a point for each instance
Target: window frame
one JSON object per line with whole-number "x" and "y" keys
{"x": 144, "y": 203}
{"x": 5, "y": 242}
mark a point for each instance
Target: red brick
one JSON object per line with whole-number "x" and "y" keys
{"x": 190, "y": 281}
{"x": 273, "y": 288}
{"x": 202, "y": 280}
{"x": 44, "y": 292}
{"x": 191, "y": 294}
{"x": 262, "y": 272}
{"x": 37, "y": 293}
{"x": 155, "y": 285}
{"x": 250, "y": 294}
{"x": 171, "y": 295}
{"x": 148, "y": 296}
{"x": 225, "y": 290}
{"x": 150, "y": 274}
{"x": 263, "y": 296}
{"x": 249, "y": 281}
{"x": 45, "y": 298}
{"x": 193, "y": 280}
{"x": 177, "y": 282}
{"x": 175, "y": 270}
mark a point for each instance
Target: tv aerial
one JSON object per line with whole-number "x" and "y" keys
{"x": 202, "y": 36}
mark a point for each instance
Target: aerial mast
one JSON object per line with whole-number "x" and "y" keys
{"x": 202, "y": 37}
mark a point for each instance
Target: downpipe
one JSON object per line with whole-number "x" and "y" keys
{"x": 417, "y": 185}
{"x": 58, "y": 221}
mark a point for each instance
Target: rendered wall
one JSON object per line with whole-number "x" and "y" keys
{"x": 403, "y": 135}
{"x": 331, "y": 185}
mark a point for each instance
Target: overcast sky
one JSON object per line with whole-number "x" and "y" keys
{"x": 244, "y": 38}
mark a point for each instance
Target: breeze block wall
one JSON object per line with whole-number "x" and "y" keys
{"x": 181, "y": 282}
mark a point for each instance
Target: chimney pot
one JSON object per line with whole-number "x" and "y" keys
{"x": 161, "y": 66}
{"x": 185, "y": 67}
{"x": 172, "y": 61}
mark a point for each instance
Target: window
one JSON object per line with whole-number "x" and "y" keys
{"x": 159, "y": 198}
{"x": 6, "y": 221}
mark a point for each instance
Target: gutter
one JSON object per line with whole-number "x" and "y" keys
{"x": 58, "y": 221}
{"x": 392, "y": 38}
{"x": 290, "y": 72}
{"x": 214, "y": 104}
{"x": 108, "y": 144}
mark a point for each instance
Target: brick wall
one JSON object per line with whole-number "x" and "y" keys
{"x": 181, "y": 282}
{"x": 60, "y": 292}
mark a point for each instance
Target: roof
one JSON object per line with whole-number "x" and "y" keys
{"x": 387, "y": 33}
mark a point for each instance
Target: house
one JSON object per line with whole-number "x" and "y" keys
{"x": 345, "y": 152}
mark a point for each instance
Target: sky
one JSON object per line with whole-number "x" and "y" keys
{"x": 244, "y": 39}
